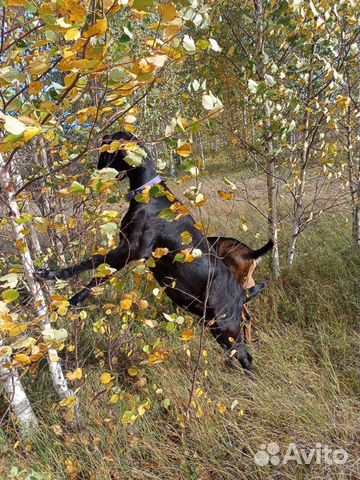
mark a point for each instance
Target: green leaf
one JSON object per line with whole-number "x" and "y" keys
{"x": 151, "y": 262}
{"x": 117, "y": 74}
{"x": 135, "y": 159}
{"x": 104, "y": 270}
{"x": 166, "y": 403}
{"x": 109, "y": 228}
{"x": 202, "y": 44}
{"x": 179, "y": 257}
{"x": 77, "y": 188}
{"x": 24, "y": 342}
{"x": 9, "y": 74}
{"x": 142, "y": 198}
{"x": 51, "y": 334}
{"x": 157, "y": 191}
{"x": 142, "y": 4}
{"x": 25, "y": 218}
{"x": 170, "y": 327}
{"x": 168, "y": 215}
{"x": 10, "y": 295}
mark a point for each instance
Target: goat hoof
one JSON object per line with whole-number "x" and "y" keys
{"x": 244, "y": 357}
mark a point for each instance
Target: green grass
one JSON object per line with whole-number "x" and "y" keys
{"x": 305, "y": 391}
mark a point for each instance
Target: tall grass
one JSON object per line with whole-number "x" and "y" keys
{"x": 305, "y": 389}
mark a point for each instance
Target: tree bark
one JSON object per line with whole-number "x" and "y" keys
{"x": 18, "y": 401}
{"x": 305, "y": 156}
{"x": 271, "y": 180}
{"x": 38, "y": 299}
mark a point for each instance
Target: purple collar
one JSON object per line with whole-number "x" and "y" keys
{"x": 150, "y": 183}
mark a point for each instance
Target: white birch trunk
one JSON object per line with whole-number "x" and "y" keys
{"x": 272, "y": 182}
{"x": 300, "y": 188}
{"x": 38, "y": 299}
{"x": 18, "y": 401}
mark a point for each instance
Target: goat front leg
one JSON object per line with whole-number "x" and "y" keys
{"x": 115, "y": 257}
{"x": 69, "y": 272}
{"x": 85, "y": 292}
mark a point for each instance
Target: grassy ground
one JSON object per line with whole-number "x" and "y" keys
{"x": 305, "y": 391}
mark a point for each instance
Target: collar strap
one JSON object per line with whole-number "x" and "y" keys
{"x": 150, "y": 183}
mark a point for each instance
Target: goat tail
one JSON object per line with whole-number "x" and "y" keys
{"x": 255, "y": 254}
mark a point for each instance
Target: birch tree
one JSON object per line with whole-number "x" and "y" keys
{"x": 11, "y": 383}
{"x": 37, "y": 295}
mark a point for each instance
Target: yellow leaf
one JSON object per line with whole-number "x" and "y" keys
{"x": 200, "y": 226}
{"x": 343, "y": 102}
{"x": 114, "y": 398}
{"x": 99, "y": 28}
{"x": 57, "y": 429}
{"x": 15, "y": 3}
{"x": 68, "y": 402}
{"x": 74, "y": 11}
{"x": 126, "y": 304}
{"x": 187, "y": 335}
{"x": 200, "y": 200}
{"x": 61, "y": 22}
{"x": 168, "y": 12}
{"x": 15, "y": 330}
{"x": 105, "y": 378}
{"x": 199, "y": 412}
{"x": 72, "y": 222}
{"x": 186, "y": 238}
{"x": 132, "y": 371}
{"x": 75, "y": 375}
{"x": 35, "y": 88}
{"x": 128, "y": 417}
{"x": 158, "y": 357}
{"x": 22, "y": 359}
{"x": 48, "y": 106}
{"x": 184, "y": 151}
{"x": 129, "y": 128}
{"x": 142, "y": 304}
{"x": 160, "y": 252}
{"x": 31, "y": 132}
{"x": 39, "y": 65}
{"x": 53, "y": 356}
{"x": 225, "y": 195}
{"x": 21, "y": 246}
{"x": 143, "y": 407}
{"x": 221, "y": 408}
{"x": 244, "y": 227}
{"x": 72, "y": 34}
{"x": 5, "y": 352}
